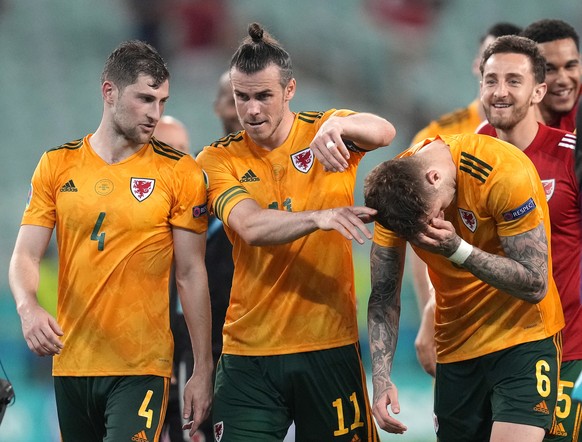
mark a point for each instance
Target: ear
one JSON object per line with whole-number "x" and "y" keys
{"x": 539, "y": 92}
{"x": 109, "y": 92}
{"x": 290, "y": 89}
{"x": 433, "y": 177}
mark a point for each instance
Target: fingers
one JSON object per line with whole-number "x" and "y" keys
{"x": 332, "y": 153}
{"x": 347, "y": 221}
{"x": 41, "y": 332}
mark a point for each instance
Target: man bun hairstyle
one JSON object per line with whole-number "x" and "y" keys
{"x": 259, "y": 50}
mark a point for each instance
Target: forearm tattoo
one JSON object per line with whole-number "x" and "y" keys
{"x": 384, "y": 312}
{"x": 523, "y": 273}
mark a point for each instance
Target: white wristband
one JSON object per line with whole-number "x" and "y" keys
{"x": 462, "y": 253}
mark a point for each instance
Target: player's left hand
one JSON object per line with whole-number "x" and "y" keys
{"x": 329, "y": 148}
{"x": 197, "y": 400}
{"x": 439, "y": 237}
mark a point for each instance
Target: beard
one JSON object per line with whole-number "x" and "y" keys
{"x": 506, "y": 120}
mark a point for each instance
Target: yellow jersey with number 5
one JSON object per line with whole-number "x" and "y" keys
{"x": 114, "y": 235}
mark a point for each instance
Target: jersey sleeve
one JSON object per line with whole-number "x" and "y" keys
{"x": 516, "y": 198}
{"x": 224, "y": 188}
{"x": 386, "y": 238}
{"x": 189, "y": 210}
{"x": 41, "y": 204}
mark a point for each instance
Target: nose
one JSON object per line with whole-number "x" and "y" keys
{"x": 254, "y": 107}
{"x": 156, "y": 110}
{"x": 500, "y": 90}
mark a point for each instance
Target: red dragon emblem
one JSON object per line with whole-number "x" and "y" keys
{"x": 218, "y": 431}
{"x": 549, "y": 187}
{"x": 468, "y": 219}
{"x": 141, "y": 188}
{"x": 303, "y": 160}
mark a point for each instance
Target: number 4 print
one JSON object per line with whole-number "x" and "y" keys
{"x": 96, "y": 236}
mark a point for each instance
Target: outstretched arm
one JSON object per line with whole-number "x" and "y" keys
{"x": 260, "y": 227}
{"x": 41, "y": 330}
{"x": 387, "y": 266}
{"x": 192, "y": 285}
{"x": 367, "y": 131}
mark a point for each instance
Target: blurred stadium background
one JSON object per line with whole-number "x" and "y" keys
{"x": 407, "y": 60}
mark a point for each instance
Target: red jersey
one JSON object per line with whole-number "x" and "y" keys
{"x": 552, "y": 152}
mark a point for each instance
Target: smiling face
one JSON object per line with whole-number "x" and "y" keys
{"x": 562, "y": 77}
{"x": 509, "y": 89}
{"x": 137, "y": 108}
{"x": 262, "y": 104}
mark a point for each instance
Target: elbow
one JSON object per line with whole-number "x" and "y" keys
{"x": 389, "y": 133}
{"x": 539, "y": 291}
{"x": 252, "y": 237}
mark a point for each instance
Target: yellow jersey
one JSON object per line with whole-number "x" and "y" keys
{"x": 293, "y": 297}
{"x": 499, "y": 193}
{"x": 114, "y": 234}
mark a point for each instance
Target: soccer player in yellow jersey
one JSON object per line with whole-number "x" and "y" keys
{"x": 464, "y": 120}
{"x": 123, "y": 204}
{"x": 284, "y": 189}
{"x": 474, "y": 209}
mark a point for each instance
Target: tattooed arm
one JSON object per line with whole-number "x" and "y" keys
{"x": 522, "y": 273}
{"x": 387, "y": 266}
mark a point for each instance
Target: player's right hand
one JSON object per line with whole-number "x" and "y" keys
{"x": 350, "y": 221}
{"x": 384, "y": 401}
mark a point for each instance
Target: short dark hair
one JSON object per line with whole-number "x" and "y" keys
{"x": 500, "y": 29}
{"x": 398, "y": 191}
{"x": 132, "y": 58}
{"x": 259, "y": 50}
{"x": 517, "y": 45}
{"x": 548, "y": 29}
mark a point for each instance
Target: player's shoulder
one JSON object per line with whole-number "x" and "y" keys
{"x": 311, "y": 117}
{"x": 70, "y": 146}
{"x": 229, "y": 140}
{"x": 561, "y": 141}
{"x": 166, "y": 152}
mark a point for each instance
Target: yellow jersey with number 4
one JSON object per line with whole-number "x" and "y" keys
{"x": 114, "y": 235}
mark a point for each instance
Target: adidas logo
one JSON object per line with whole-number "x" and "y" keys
{"x": 69, "y": 186}
{"x": 249, "y": 177}
{"x": 356, "y": 438}
{"x": 542, "y": 407}
{"x": 558, "y": 430}
{"x": 140, "y": 437}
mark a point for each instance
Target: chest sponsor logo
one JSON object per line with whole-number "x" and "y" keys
{"x": 520, "y": 211}
{"x": 141, "y": 188}
{"x": 303, "y": 160}
{"x": 469, "y": 219}
{"x": 549, "y": 187}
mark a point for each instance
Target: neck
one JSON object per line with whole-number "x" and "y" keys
{"x": 522, "y": 134}
{"x": 280, "y": 134}
{"x": 112, "y": 147}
